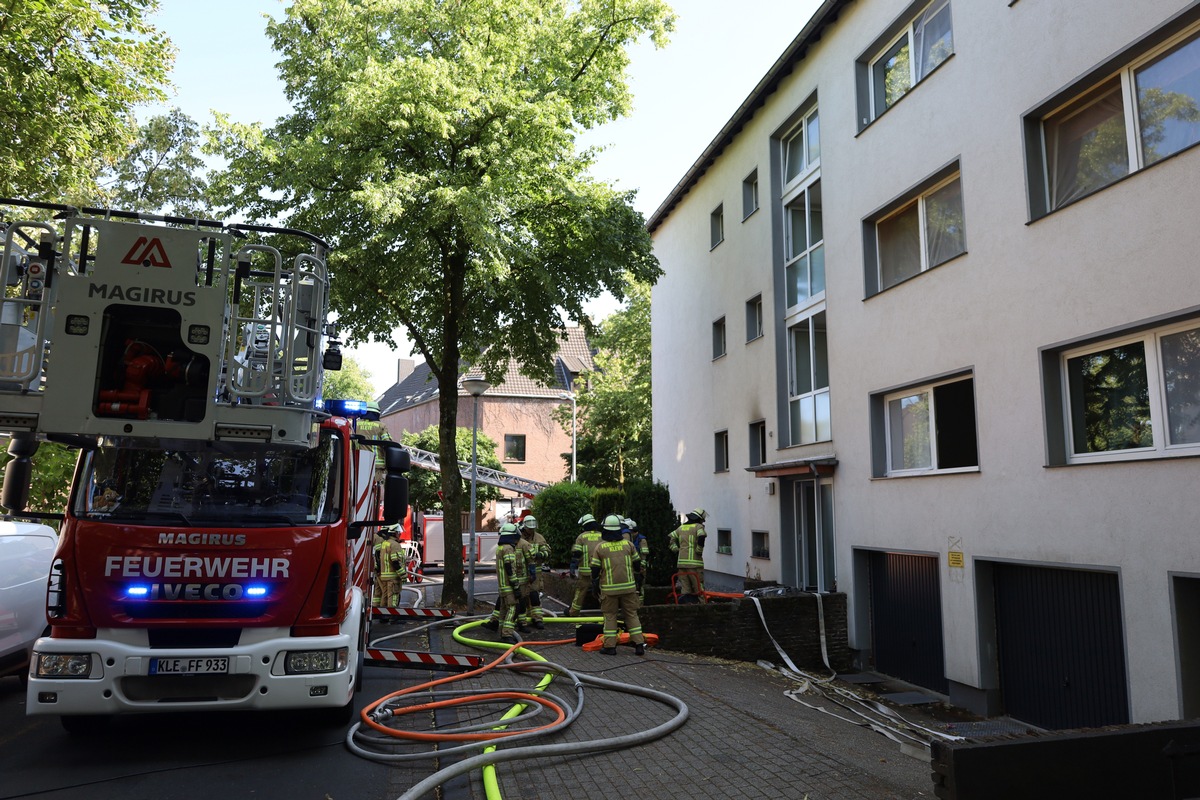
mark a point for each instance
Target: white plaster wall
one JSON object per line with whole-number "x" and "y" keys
{"x": 1125, "y": 254}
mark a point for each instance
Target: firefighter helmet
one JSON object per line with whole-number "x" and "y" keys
{"x": 529, "y": 523}
{"x": 585, "y": 519}
{"x": 509, "y": 533}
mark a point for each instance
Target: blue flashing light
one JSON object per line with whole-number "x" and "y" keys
{"x": 351, "y": 409}
{"x": 256, "y": 591}
{"x": 137, "y": 590}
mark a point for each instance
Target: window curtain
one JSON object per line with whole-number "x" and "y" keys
{"x": 1087, "y": 146}
{"x": 945, "y": 233}
{"x": 899, "y": 247}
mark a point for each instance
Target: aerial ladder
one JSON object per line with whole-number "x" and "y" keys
{"x": 492, "y": 477}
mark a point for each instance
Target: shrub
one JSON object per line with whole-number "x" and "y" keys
{"x": 558, "y": 509}
{"x": 648, "y": 503}
{"x": 608, "y": 501}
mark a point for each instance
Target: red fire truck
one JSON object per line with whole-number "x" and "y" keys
{"x": 212, "y": 553}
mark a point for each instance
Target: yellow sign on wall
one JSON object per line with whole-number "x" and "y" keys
{"x": 955, "y": 558}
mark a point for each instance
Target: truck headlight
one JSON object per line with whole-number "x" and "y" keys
{"x": 64, "y": 665}
{"x": 300, "y": 662}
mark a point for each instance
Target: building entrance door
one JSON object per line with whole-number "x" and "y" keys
{"x": 814, "y": 567}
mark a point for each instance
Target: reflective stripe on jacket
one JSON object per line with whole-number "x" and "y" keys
{"x": 686, "y": 540}
{"x": 582, "y": 550}
{"x": 616, "y": 562}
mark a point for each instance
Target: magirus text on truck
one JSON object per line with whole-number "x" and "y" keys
{"x": 211, "y": 554}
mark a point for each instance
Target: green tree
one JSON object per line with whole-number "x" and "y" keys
{"x": 71, "y": 72}
{"x": 161, "y": 172}
{"x": 53, "y": 470}
{"x": 424, "y": 484}
{"x": 351, "y": 382}
{"x": 433, "y": 144}
{"x": 614, "y": 419}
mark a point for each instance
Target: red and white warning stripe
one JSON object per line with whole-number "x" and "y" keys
{"x": 379, "y": 611}
{"x": 402, "y": 658}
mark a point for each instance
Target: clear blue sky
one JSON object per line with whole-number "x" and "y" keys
{"x": 683, "y": 94}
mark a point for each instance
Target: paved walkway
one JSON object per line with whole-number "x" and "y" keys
{"x": 744, "y": 738}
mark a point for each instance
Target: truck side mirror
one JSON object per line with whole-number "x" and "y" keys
{"x": 19, "y": 474}
{"x": 395, "y": 497}
{"x": 396, "y": 459}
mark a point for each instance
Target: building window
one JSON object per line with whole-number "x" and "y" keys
{"x": 760, "y": 544}
{"x": 724, "y": 541}
{"x": 802, "y": 148}
{"x": 717, "y": 226}
{"x": 804, "y": 247}
{"x": 719, "y": 338}
{"x": 931, "y": 428}
{"x": 1083, "y": 140}
{"x": 758, "y": 443}
{"x": 906, "y": 58}
{"x": 922, "y": 230}
{"x": 721, "y": 447}
{"x": 750, "y": 194}
{"x": 514, "y": 447}
{"x": 754, "y": 318}
{"x": 1134, "y": 397}
{"x": 808, "y": 382}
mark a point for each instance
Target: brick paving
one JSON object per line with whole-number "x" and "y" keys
{"x": 744, "y": 738}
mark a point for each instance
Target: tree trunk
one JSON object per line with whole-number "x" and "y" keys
{"x": 452, "y": 490}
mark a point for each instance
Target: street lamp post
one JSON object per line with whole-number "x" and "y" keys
{"x": 475, "y": 386}
{"x": 571, "y": 396}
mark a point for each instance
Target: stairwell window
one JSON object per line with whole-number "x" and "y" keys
{"x": 922, "y": 230}
{"x": 804, "y": 246}
{"x": 1088, "y": 138}
{"x": 808, "y": 382}
{"x": 802, "y": 148}
{"x": 906, "y": 58}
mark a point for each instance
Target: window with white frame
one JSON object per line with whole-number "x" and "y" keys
{"x": 758, "y": 443}
{"x": 754, "y": 318}
{"x": 1089, "y": 137}
{"x": 931, "y": 428}
{"x": 924, "y": 229}
{"x": 750, "y": 194}
{"x": 717, "y": 226}
{"x": 760, "y": 544}
{"x": 908, "y": 56}
{"x": 721, "y": 451}
{"x": 802, "y": 147}
{"x": 718, "y": 338}
{"x": 808, "y": 381}
{"x": 804, "y": 247}
{"x": 1134, "y": 397}
{"x": 724, "y": 541}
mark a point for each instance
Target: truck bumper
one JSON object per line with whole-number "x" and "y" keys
{"x": 126, "y": 678}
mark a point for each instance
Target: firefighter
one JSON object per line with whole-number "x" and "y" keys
{"x": 581, "y": 560}
{"x": 688, "y": 541}
{"x": 642, "y": 545}
{"x": 537, "y": 555}
{"x": 616, "y": 580}
{"x": 506, "y": 574}
{"x": 389, "y": 569}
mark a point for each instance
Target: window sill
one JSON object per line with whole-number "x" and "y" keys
{"x": 751, "y": 214}
{"x": 928, "y": 473}
{"x": 755, "y": 339}
{"x": 761, "y": 557}
{"x": 712, "y": 247}
{"x": 911, "y": 278}
{"x": 728, "y": 552}
{"x": 868, "y": 123}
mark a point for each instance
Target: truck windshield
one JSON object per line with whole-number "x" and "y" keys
{"x": 214, "y": 484}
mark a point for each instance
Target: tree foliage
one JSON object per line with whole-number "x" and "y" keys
{"x": 614, "y": 419}
{"x": 424, "y": 485}
{"x": 351, "y": 382}
{"x": 71, "y": 72}
{"x": 161, "y": 172}
{"x": 433, "y": 145}
{"x": 649, "y": 504}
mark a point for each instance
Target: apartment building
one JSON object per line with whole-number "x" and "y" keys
{"x": 943, "y": 346}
